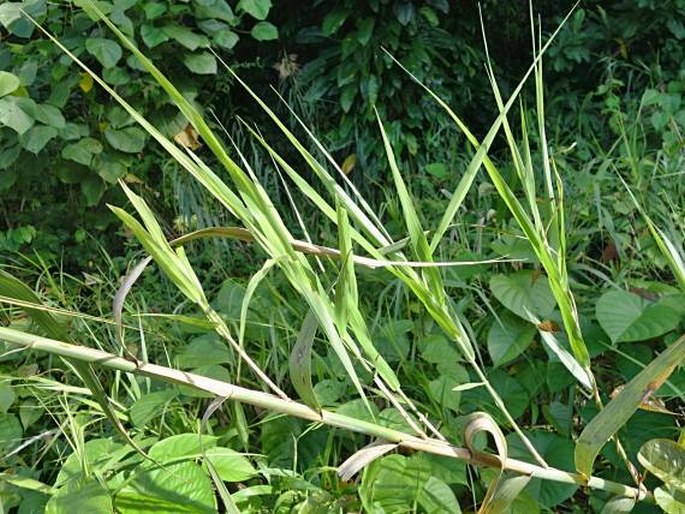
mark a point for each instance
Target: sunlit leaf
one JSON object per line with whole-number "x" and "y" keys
{"x": 664, "y": 459}
{"x": 617, "y": 412}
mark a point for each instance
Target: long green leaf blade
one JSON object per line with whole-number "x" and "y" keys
{"x": 617, "y": 412}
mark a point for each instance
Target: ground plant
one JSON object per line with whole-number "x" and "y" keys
{"x": 516, "y": 349}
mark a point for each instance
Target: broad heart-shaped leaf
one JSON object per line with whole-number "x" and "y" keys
{"x": 436, "y": 496}
{"x": 617, "y": 412}
{"x": 81, "y": 495}
{"x": 10, "y": 433}
{"x": 618, "y": 505}
{"x": 181, "y": 446}
{"x": 665, "y": 459}
{"x": 264, "y": 31}
{"x": 13, "y": 116}
{"x": 152, "y": 36}
{"x": 201, "y": 64}
{"x": 180, "y": 487}
{"x": 82, "y": 151}
{"x": 9, "y": 13}
{"x": 522, "y": 291}
{"x": 8, "y": 82}
{"x": 256, "y": 8}
{"x": 149, "y": 406}
{"x": 393, "y": 482}
{"x": 106, "y": 51}
{"x": 35, "y": 138}
{"x": 628, "y": 317}
{"x": 671, "y": 502}
{"x": 186, "y": 37}
{"x": 230, "y": 465}
{"x": 508, "y": 337}
{"x": 129, "y": 139}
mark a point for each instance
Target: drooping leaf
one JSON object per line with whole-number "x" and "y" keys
{"x": 300, "y": 362}
{"x": 226, "y": 39}
{"x": 362, "y": 458}
{"x": 9, "y": 13}
{"x": 504, "y": 494}
{"x": 333, "y": 21}
{"x": 618, "y": 505}
{"x": 186, "y": 37}
{"x": 217, "y": 9}
{"x": 617, "y": 412}
{"x": 365, "y": 30}
{"x": 672, "y": 502}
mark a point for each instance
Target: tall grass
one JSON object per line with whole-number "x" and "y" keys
{"x": 329, "y": 287}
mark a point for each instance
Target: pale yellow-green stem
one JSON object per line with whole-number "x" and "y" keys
{"x": 289, "y": 407}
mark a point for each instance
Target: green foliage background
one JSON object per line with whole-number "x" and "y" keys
{"x": 614, "y": 82}
{"x": 63, "y": 143}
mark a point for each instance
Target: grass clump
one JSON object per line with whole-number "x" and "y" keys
{"x": 356, "y": 355}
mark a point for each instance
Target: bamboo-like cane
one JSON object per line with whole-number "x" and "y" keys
{"x": 292, "y": 408}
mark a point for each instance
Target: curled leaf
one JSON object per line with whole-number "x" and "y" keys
{"x": 363, "y": 457}
{"x": 300, "y": 363}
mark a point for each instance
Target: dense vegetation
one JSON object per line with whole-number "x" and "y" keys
{"x": 267, "y": 258}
